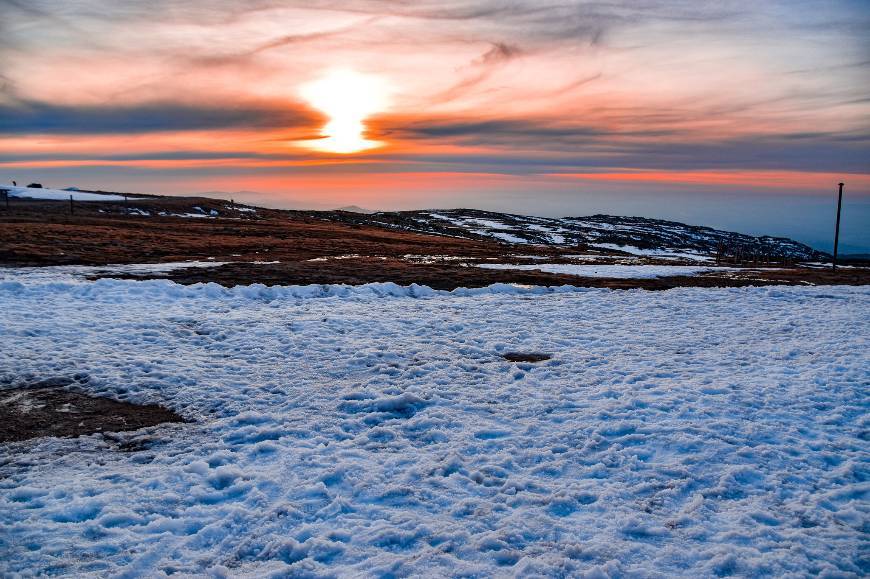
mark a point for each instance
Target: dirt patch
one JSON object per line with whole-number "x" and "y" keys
{"x": 47, "y": 409}
{"x": 526, "y": 356}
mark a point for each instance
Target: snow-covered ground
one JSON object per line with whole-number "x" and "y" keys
{"x": 62, "y": 194}
{"x": 610, "y": 271}
{"x": 659, "y": 253}
{"x": 693, "y": 432}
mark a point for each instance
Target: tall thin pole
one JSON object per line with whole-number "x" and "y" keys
{"x": 837, "y": 229}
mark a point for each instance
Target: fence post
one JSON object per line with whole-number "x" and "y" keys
{"x": 71, "y": 205}
{"x": 837, "y": 227}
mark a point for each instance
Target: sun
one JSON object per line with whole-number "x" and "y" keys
{"x": 348, "y": 98}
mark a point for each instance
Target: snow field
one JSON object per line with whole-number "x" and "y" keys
{"x": 371, "y": 431}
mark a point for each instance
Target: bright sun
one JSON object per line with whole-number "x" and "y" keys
{"x": 348, "y": 98}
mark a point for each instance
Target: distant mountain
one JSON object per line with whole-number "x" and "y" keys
{"x": 636, "y": 235}
{"x": 356, "y": 209}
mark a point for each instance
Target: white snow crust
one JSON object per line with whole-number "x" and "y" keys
{"x": 609, "y": 271}
{"x": 660, "y": 253}
{"x": 377, "y": 431}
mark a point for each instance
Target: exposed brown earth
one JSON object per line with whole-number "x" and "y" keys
{"x": 48, "y": 409}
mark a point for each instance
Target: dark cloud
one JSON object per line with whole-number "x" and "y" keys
{"x": 145, "y": 156}
{"x": 822, "y": 153}
{"x": 520, "y": 132}
{"x": 535, "y": 145}
{"x": 35, "y": 118}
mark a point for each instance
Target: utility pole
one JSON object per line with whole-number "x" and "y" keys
{"x": 837, "y": 229}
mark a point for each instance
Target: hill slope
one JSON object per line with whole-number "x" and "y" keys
{"x": 637, "y": 235}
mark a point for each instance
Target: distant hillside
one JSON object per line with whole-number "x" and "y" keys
{"x": 637, "y": 235}
{"x": 356, "y": 209}
{"x": 631, "y": 235}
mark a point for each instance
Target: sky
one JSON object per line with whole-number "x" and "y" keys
{"x": 735, "y": 114}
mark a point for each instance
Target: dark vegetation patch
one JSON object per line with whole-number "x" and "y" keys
{"x": 526, "y": 356}
{"x": 49, "y": 409}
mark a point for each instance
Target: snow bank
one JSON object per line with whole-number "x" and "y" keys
{"x": 38, "y": 283}
{"x": 62, "y": 194}
{"x": 610, "y": 271}
{"x": 688, "y": 433}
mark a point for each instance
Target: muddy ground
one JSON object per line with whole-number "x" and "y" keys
{"x": 48, "y": 408}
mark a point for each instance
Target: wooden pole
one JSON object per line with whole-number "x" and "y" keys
{"x": 70, "y": 205}
{"x": 837, "y": 228}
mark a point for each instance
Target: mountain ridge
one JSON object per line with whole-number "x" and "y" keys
{"x": 638, "y": 235}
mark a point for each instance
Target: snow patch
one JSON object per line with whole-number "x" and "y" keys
{"x": 62, "y": 194}
{"x": 610, "y": 271}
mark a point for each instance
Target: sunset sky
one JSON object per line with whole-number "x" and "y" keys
{"x": 735, "y": 114}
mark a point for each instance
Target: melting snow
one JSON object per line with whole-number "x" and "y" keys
{"x": 503, "y": 236}
{"x": 661, "y": 253}
{"x": 612, "y": 271}
{"x": 486, "y": 223}
{"x": 73, "y": 273}
{"x": 370, "y": 432}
